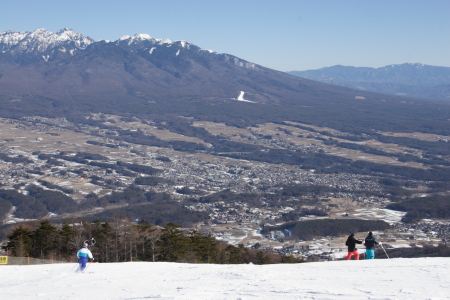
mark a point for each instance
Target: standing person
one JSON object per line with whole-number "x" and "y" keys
{"x": 351, "y": 244}
{"x": 370, "y": 243}
{"x": 83, "y": 254}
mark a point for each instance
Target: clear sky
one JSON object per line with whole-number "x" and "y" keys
{"x": 285, "y": 35}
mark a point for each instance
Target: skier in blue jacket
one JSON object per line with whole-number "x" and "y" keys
{"x": 83, "y": 254}
{"x": 370, "y": 243}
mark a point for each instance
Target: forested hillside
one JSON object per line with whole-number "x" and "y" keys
{"x": 123, "y": 240}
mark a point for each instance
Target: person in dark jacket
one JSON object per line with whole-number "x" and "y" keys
{"x": 370, "y": 243}
{"x": 351, "y": 244}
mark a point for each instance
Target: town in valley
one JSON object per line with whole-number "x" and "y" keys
{"x": 198, "y": 174}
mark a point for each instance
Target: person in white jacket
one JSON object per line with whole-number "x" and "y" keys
{"x": 83, "y": 254}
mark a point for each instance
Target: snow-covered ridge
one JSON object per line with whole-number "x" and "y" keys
{"x": 135, "y": 38}
{"x": 41, "y": 39}
{"x": 412, "y": 65}
{"x": 11, "y": 38}
{"x": 139, "y": 37}
{"x": 49, "y": 46}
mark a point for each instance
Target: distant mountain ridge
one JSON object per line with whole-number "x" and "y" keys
{"x": 45, "y": 45}
{"x": 68, "y": 64}
{"x": 66, "y": 74}
{"x": 413, "y": 80}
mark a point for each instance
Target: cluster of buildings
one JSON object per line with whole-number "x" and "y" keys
{"x": 203, "y": 174}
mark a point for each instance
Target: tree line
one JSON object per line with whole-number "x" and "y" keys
{"x": 423, "y": 208}
{"x": 133, "y": 202}
{"x": 124, "y": 240}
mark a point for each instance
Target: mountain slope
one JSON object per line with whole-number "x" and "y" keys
{"x": 413, "y": 80}
{"x": 69, "y": 66}
{"x": 387, "y": 279}
{"x": 132, "y": 66}
{"x": 67, "y": 74}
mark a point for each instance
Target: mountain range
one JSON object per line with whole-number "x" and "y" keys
{"x": 67, "y": 65}
{"x": 67, "y": 73}
{"x": 413, "y": 80}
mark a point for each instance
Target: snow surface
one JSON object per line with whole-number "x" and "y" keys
{"x": 241, "y": 96}
{"x": 420, "y": 278}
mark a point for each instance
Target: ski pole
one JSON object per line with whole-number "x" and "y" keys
{"x": 384, "y": 250}
{"x": 74, "y": 266}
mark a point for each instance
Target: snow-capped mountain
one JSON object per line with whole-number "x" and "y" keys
{"x": 137, "y": 39}
{"x": 42, "y": 44}
{"x": 48, "y": 46}
{"x": 69, "y": 67}
{"x": 72, "y": 66}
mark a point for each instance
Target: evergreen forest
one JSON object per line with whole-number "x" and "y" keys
{"x": 123, "y": 240}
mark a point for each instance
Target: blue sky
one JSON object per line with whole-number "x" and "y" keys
{"x": 285, "y": 35}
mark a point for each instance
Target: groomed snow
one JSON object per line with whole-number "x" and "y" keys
{"x": 422, "y": 278}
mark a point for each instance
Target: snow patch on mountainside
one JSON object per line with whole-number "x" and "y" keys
{"x": 241, "y": 97}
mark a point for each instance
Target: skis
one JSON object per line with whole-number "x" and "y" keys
{"x": 78, "y": 270}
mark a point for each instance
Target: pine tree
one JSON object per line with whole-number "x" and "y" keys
{"x": 103, "y": 233}
{"x": 20, "y": 243}
{"x": 174, "y": 244}
{"x": 148, "y": 236}
{"x": 203, "y": 247}
{"x": 66, "y": 245}
{"x": 107, "y": 241}
{"x": 262, "y": 259}
{"x": 231, "y": 255}
{"x": 45, "y": 240}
